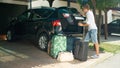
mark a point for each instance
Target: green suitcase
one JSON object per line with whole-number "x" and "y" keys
{"x": 58, "y": 45}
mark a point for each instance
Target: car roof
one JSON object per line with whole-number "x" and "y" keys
{"x": 49, "y": 8}
{"x": 71, "y": 9}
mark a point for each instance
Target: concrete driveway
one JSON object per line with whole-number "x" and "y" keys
{"x": 22, "y": 54}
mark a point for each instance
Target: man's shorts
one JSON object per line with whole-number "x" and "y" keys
{"x": 91, "y": 35}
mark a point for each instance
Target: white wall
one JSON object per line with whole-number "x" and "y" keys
{"x": 109, "y": 16}
{"x": 116, "y": 14}
{"x": 39, "y": 3}
{"x": 14, "y": 2}
{"x": 56, "y": 3}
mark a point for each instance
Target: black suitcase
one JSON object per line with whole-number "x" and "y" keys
{"x": 81, "y": 50}
{"x": 70, "y": 43}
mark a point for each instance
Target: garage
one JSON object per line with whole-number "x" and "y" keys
{"x": 8, "y": 10}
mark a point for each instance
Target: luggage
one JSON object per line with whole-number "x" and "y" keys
{"x": 70, "y": 43}
{"x": 49, "y": 47}
{"x": 58, "y": 45}
{"x": 65, "y": 56}
{"x": 81, "y": 50}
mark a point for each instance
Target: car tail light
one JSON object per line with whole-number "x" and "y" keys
{"x": 66, "y": 15}
{"x": 56, "y": 23}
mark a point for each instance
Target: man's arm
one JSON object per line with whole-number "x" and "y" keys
{"x": 81, "y": 24}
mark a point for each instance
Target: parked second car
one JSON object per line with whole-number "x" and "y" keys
{"x": 41, "y": 23}
{"x": 113, "y": 27}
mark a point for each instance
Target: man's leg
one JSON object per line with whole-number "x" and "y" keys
{"x": 95, "y": 41}
{"x": 87, "y": 37}
{"x": 96, "y": 48}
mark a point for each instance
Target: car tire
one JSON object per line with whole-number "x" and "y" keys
{"x": 42, "y": 41}
{"x": 109, "y": 33}
{"x": 10, "y": 36}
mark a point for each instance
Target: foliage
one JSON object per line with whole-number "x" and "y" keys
{"x": 102, "y": 4}
{"x": 107, "y": 47}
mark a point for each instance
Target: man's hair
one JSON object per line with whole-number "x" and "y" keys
{"x": 86, "y": 6}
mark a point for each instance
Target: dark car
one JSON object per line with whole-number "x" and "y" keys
{"x": 114, "y": 27}
{"x": 41, "y": 23}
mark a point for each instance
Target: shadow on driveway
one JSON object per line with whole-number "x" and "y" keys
{"x": 22, "y": 54}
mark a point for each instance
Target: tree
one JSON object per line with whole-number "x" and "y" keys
{"x": 105, "y": 5}
{"x": 68, "y": 3}
{"x": 50, "y": 2}
{"x": 101, "y": 5}
{"x": 30, "y": 4}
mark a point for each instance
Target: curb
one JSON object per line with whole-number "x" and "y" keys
{"x": 101, "y": 59}
{"x": 90, "y": 63}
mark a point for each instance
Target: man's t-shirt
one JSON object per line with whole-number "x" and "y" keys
{"x": 90, "y": 20}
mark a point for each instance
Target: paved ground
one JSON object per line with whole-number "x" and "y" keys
{"x": 111, "y": 39}
{"x": 113, "y": 62}
{"x": 23, "y": 54}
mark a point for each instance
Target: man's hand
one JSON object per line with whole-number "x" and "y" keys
{"x": 80, "y": 24}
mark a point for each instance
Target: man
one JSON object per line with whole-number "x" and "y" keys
{"x": 92, "y": 29}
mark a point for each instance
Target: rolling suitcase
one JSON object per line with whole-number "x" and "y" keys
{"x": 81, "y": 50}
{"x": 70, "y": 43}
{"x": 58, "y": 44}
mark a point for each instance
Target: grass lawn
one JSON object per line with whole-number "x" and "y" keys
{"x": 107, "y": 47}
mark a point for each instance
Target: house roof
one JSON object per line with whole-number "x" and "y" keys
{"x": 116, "y": 12}
{"x": 118, "y": 9}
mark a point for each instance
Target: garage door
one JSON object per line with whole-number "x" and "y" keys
{"x": 8, "y": 11}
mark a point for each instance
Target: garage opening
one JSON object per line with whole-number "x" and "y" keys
{"x": 7, "y": 12}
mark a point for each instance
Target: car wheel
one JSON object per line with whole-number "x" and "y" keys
{"x": 9, "y": 35}
{"x": 43, "y": 41}
{"x": 109, "y": 33}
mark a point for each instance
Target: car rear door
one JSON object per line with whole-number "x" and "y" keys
{"x": 39, "y": 19}
{"x": 22, "y": 20}
{"x": 31, "y": 25}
